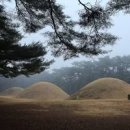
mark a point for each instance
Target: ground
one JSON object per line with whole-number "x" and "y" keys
{"x": 108, "y": 114}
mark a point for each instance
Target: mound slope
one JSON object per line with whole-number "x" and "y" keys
{"x": 14, "y": 91}
{"x": 43, "y": 91}
{"x": 104, "y": 88}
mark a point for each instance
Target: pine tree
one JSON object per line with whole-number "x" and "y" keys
{"x": 65, "y": 40}
{"x": 16, "y": 59}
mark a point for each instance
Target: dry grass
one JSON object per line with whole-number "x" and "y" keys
{"x": 43, "y": 91}
{"x": 14, "y": 91}
{"x": 91, "y": 114}
{"x": 11, "y": 100}
{"x": 105, "y": 88}
{"x": 65, "y": 115}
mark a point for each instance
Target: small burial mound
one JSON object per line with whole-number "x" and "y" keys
{"x": 14, "y": 91}
{"x": 43, "y": 91}
{"x": 104, "y": 88}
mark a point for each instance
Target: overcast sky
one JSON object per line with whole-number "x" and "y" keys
{"x": 121, "y": 29}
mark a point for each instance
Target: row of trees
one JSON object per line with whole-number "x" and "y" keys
{"x": 64, "y": 38}
{"x": 81, "y": 73}
{"x": 71, "y": 79}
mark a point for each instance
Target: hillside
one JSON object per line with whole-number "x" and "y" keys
{"x": 43, "y": 91}
{"x": 14, "y": 91}
{"x": 104, "y": 88}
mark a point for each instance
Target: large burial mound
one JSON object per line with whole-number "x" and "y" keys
{"x": 43, "y": 91}
{"x": 104, "y": 88}
{"x": 14, "y": 91}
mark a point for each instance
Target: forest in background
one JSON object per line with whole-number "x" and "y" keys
{"x": 71, "y": 79}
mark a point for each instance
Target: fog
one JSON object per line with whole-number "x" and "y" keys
{"x": 121, "y": 29}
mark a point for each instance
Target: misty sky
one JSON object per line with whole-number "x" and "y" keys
{"x": 121, "y": 29}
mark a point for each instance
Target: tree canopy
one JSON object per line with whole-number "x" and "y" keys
{"x": 16, "y": 59}
{"x": 64, "y": 39}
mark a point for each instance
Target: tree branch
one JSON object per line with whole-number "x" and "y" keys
{"x": 69, "y": 46}
{"x": 85, "y": 7}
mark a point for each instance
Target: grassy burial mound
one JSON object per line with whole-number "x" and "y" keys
{"x": 14, "y": 91}
{"x": 104, "y": 88}
{"x": 43, "y": 91}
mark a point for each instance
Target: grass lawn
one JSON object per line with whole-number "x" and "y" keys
{"x": 16, "y": 114}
